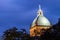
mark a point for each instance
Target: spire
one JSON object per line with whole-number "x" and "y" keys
{"x": 39, "y": 7}
{"x": 40, "y": 12}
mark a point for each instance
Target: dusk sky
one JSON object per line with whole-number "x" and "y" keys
{"x": 21, "y": 13}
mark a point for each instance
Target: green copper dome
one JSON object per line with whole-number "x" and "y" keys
{"x": 40, "y": 19}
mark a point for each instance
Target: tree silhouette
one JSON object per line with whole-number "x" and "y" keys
{"x": 13, "y": 34}
{"x": 10, "y": 34}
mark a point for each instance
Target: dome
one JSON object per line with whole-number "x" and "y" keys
{"x": 40, "y": 20}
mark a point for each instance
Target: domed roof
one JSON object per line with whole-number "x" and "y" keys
{"x": 40, "y": 20}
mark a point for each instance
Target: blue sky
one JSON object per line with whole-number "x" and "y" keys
{"x": 21, "y": 13}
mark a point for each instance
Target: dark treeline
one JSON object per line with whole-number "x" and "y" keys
{"x": 52, "y": 33}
